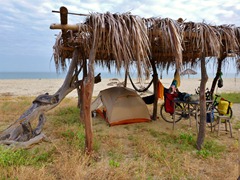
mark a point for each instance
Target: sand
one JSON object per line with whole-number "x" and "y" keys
{"x": 35, "y": 87}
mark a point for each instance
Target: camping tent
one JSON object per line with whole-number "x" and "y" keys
{"x": 122, "y": 105}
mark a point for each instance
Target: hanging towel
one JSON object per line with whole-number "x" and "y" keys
{"x": 160, "y": 90}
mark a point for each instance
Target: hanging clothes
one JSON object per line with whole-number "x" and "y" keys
{"x": 175, "y": 83}
{"x": 160, "y": 90}
{"x": 176, "y": 80}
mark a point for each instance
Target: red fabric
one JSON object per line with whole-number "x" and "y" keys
{"x": 169, "y": 105}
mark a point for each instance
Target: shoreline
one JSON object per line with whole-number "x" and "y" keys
{"x": 35, "y": 87}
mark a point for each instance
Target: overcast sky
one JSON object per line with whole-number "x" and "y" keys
{"x": 26, "y": 40}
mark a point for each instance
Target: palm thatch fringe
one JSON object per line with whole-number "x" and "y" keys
{"x": 121, "y": 39}
{"x": 203, "y": 38}
{"x": 166, "y": 37}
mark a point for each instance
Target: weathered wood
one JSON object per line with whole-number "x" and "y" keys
{"x": 219, "y": 70}
{"x": 78, "y": 14}
{"x": 64, "y": 21}
{"x": 202, "y": 126}
{"x": 27, "y": 144}
{"x": 155, "y": 91}
{"x": 125, "y": 78}
{"x": 64, "y": 27}
{"x": 82, "y": 90}
{"x": 20, "y": 133}
{"x": 63, "y": 15}
{"x": 238, "y": 154}
{"x": 87, "y": 99}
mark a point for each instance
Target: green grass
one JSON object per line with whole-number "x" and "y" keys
{"x": 75, "y": 137}
{"x": 233, "y": 97}
{"x": 211, "y": 149}
{"x": 68, "y": 115}
{"x": 10, "y": 157}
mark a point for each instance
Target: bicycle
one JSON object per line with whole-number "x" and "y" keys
{"x": 182, "y": 110}
{"x": 215, "y": 104}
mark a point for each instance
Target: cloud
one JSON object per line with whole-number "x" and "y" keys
{"x": 25, "y": 24}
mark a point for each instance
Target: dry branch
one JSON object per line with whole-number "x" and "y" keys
{"x": 21, "y": 133}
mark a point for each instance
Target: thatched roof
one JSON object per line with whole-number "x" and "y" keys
{"x": 121, "y": 39}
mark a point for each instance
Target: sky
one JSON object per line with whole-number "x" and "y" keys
{"x": 26, "y": 40}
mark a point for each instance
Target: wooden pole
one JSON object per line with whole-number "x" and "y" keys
{"x": 238, "y": 154}
{"x": 64, "y": 21}
{"x": 82, "y": 89}
{"x": 155, "y": 90}
{"x": 87, "y": 98}
{"x": 219, "y": 70}
{"x": 64, "y": 27}
{"x": 202, "y": 126}
{"x": 78, "y": 14}
{"x": 126, "y": 75}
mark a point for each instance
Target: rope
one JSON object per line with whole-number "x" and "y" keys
{"x": 140, "y": 90}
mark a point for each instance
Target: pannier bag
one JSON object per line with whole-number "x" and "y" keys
{"x": 223, "y": 106}
{"x": 210, "y": 117}
{"x": 169, "y": 104}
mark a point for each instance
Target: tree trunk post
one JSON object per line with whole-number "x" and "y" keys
{"x": 126, "y": 76}
{"x": 202, "y": 126}
{"x": 219, "y": 70}
{"x": 80, "y": 101}
{"x": 87, "y": 100}
{"x": 64, "y": 21}
{"x": 238, "y": 154}
{"x": 155, "y": 91}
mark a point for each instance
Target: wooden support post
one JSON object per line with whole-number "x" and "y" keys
{"x": 155, "y": 90}
{"x": 219, "y": 70}
{"x": 125, "y": 79}
{"x": 238, "y": 154}
{"x": 202, "y": 126}
{"x": 64, "y": 21}
{"x": 82, "y": 89}
{"x": 87, "y": 100}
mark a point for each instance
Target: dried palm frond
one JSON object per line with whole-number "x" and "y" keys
{"x": 60, "y": 53}
{"x": 229, "y": 38}
{"x": 166, "y": 37}
{"x": 123, "y": 37}
{"x": 237, "y": 34}
{"x": 202, "y": 38}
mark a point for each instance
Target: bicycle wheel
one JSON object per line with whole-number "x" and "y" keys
{"x": 169, "y": 117}
{"x": 216, "y": 113}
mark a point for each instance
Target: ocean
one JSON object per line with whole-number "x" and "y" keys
{"x": 104, "y": 74}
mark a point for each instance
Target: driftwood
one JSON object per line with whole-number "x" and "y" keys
{"x": 21, "y": 134}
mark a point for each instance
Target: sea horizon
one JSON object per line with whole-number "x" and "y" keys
{"x": 104, "y": 74}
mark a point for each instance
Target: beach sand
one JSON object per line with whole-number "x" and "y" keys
{"x": 35, "y": 87}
